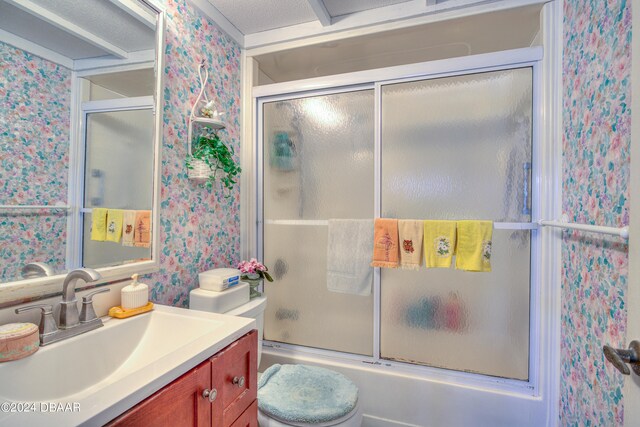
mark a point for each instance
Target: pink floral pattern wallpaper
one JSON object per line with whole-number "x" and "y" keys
{"x": 597, "y": 132}
{"x": 35, "y": 112}
{"x": 199, "y": 228}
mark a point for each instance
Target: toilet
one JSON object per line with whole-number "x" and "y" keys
{"x": 276, "y": 408}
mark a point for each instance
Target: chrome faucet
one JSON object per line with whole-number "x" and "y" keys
{"x": 69, "y": 316}
{"x": 37, "y": 269}
{"x": 71, "y": 323}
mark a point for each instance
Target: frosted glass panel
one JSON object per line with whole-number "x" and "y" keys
{"x": 456, "y": 147}
{"x": 119, "y": 160}
{"x": 460, "y": 148}
{"x": 474, "y": 322}
{"x": 318, "y": 165}
{"x": 118, "y": 175}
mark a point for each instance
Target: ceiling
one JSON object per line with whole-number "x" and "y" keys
{"x": 77, "y": 29}
{"x": 254, "y": 16}
{"x": 255, "y": 23}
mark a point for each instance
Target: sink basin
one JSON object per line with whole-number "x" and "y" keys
{"x": 106, "y": 371}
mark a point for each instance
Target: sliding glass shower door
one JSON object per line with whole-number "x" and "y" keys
{"x": 318, "y": 166}
{"x": 460, "y": 148}
{"x": 453, "y": 147}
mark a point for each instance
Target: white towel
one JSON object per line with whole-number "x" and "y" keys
{"x": 348, "y": 256}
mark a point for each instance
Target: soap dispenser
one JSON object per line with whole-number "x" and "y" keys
{"x": 134, "y": 295}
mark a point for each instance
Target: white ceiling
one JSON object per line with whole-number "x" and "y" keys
{"x": 254, "y": 16}
{"x": 77, "y": 29}
{"x": 258, "y": 23}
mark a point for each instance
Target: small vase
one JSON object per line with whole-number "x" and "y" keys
{"x": 254, "y": 283}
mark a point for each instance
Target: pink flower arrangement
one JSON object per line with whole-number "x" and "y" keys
{"x": 254, "y": 267}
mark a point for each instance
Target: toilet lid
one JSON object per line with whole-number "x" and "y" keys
{"x": 305, "y": 394}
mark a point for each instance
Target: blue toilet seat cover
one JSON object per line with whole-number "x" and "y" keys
{"x": 305, "y": 394}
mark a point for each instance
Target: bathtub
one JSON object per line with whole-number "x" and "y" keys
{"x": 420, "y": 396}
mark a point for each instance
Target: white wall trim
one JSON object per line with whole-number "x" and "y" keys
{"x": 392, "y": 17}
{"x": 552, "y": 33}
{"x": 248, "y": 159}
{"x": 118, "y": 104}
{"x": 68, "y": 26}
{"x": 35, "y": 49}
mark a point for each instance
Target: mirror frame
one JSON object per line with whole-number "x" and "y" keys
{"x": 20, "y": 291}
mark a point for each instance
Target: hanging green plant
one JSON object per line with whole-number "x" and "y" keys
{"x": 211, "y": 153}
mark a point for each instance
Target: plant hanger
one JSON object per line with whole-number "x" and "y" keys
{"x": 210, "y": 122}
{"x": 210, "y": 155}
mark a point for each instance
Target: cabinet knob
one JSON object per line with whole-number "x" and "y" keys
{"x": 239, "y": 381}
{"x": 210, "y": 394}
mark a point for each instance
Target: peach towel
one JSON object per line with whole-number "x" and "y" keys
{"x": 142, "y": 230}
{"x": 385, "y": 243}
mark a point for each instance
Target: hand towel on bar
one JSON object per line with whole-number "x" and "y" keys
{"x": 142, "y": 229}
{"x": 474, "y": 245}
{"x": 348, "y": 248}
{"x": 128, "y": 226}
{"x": 439, "y": 243}
{"x": 385, "y": 243}
{"x": 410, "y": 234}
{"x": 114, "y": 225}
{"x": 98, "y": 224}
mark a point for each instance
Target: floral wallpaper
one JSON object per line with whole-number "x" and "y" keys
{"x": 597, "y": 131}
{"x": 34, "y": 157}
{"x": 199, "y": 228}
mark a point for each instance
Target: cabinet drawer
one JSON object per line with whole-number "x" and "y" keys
{"x": 249, "y": 417}
{"x": 234, "y": 374}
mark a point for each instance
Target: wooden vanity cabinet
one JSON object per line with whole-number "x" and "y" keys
{"x": 232, "y": 373}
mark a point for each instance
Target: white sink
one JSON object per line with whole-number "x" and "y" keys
{"x": 106, "y": 371}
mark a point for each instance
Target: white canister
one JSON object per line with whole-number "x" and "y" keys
{"x": 134, "y": 295}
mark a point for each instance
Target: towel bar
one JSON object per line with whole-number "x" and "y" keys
{"x": 622, "y": 232}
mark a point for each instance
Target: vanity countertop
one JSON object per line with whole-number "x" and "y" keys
{"x": 92, "y": 378}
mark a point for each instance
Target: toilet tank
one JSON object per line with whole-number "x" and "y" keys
{"x": 254, "y": 309}
{"x": 234, "y": 302}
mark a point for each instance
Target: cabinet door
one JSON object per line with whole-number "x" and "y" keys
{"x": 234, "y": 374}
{"x": 249, "y": 418}
{"x": 178, "y": 404}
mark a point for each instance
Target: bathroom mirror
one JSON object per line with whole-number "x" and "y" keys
{"x": 80, "y": 125}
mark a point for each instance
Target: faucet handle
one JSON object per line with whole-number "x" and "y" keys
{"x": 48, "y": 324}
{"x": 87, "y": 313}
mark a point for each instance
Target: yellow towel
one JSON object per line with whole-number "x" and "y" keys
{"x": 385, "y": 243}
{"x": 114, "y": 225}
{"x": 128, "y": 226}
{"x": 473, "y": 252}
{"x": 410, "y": 240}
{"x": 98, "y": 224}
{"x": 142, "y": 230}
{"x": 439, "y": 243}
